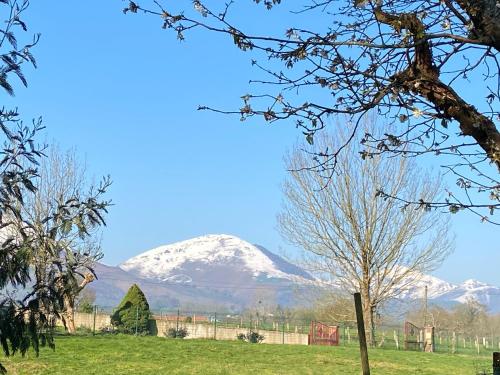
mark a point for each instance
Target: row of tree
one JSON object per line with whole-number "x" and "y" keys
{"x": 469, "y": 318}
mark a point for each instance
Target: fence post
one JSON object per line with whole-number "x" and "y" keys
{"x": 496, "y": 363}
{"x": 215, "y": 326}
{"x": 283, "y": 334}
{"x": 177, "y": 325}
{"x": 453, "y": 343}
{"x": 396, "y": 339}
{"x": 361, "y": 334}
{"x": 136, "y": 318}
{"x": 95, "y": 312}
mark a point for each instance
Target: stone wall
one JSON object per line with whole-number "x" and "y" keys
{"x": 195, "y": 331}
{"x": 87, "y": 320}
{"x": 209, "y": 331}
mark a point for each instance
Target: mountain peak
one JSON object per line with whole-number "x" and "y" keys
{"x": 473, "y": 284}
{"x": 216, "y": 250}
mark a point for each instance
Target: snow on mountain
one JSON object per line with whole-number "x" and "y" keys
{"x": 486, "y": 294}
{"x": 168, "y": 262}
{"x": 435, "y": 287}
{"x": 221, "y": 269}
{"x": 443, "y": 292}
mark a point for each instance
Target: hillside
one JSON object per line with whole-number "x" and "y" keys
{"x": 226, "y": 272}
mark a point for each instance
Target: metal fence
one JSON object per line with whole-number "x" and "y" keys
{"x": 386, "y": 336}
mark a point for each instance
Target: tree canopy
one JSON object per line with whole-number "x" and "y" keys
{"x": 352, "y": 239}
{"x": 132, "y": 314}
{"x": 62, "y": 178}
{"x": 30, "y": 305}
{"x": 411, "y": 62}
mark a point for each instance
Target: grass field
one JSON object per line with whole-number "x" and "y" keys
{"x": 116, "y": 355}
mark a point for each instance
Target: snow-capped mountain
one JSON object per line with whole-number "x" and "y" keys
{"x": 212, "y": 270}
{"x": 188, "y": 260}
{"x": 223, "y": 270}
{"x": 444, "y": 293}
{"x": 486, "y": 294}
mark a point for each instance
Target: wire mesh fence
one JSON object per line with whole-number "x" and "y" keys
{"x": 386, "y": 336}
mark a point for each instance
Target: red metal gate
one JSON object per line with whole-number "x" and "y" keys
{"x": 413, "y": 337}
{"x": 322, "y": 334}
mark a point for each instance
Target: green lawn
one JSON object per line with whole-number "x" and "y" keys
{"x": 117, "y": 355}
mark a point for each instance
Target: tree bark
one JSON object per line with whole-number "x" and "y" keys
{"x": 485, "y": 20}
{"x": 68, "y": 314}
{"x": 368, "y": 317}
{"x": 422, "y": 76}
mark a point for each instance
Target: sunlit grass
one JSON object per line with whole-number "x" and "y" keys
{"x": 116, "y": 355}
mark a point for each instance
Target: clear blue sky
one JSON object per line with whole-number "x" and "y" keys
{"x": 124, "y": 92}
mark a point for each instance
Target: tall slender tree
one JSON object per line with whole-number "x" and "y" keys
{"x": 378, "y": 247}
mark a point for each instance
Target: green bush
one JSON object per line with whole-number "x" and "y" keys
{"x": 132, "y": 314}
{"x": 179, "y": 333}
{"x": 253, "y": 337}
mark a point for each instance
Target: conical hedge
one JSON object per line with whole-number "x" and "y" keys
{"x": 132, "y": 314}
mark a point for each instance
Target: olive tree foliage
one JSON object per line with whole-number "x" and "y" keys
{"x": 354, "y": 240}
{"x": 62, "y": 178}
{"x": 431, "y": 67}
{"x": 28, "y": 305}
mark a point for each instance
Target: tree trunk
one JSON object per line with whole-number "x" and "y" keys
{"x": 368, "y": 317}
{"x": 69, "y": 319}
{"x": 422, "y": 77}
{"x": 68, "y": 314}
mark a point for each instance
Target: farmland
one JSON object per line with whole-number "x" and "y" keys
{"x": 120, "y": 354}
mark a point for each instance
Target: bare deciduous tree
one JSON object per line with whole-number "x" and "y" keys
{"x": 375, "y": 246}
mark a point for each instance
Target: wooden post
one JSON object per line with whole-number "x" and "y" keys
{"x": 496, "y": 363}
{"x": 177, "y": 324}
{"x": 361, "y": 334}
{"x": 95, "y": 312}
{"x": 215, "y": 326}
{"x": 453, "y": 343}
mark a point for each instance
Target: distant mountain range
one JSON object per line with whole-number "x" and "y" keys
{"x": 226, "y": 272}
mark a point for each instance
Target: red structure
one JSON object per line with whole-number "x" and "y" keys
{"x": 322, "y": 334}
{"x": 413, "y": 337}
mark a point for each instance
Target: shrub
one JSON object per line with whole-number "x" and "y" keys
{"x": 189, "y": 319}
{"x": 132, "y": 314}
{"x": 179, "y": 333}
{"x": 241, "y": 336}
{"x": 252, "y": 336}
{"x": 108, "y": 330}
